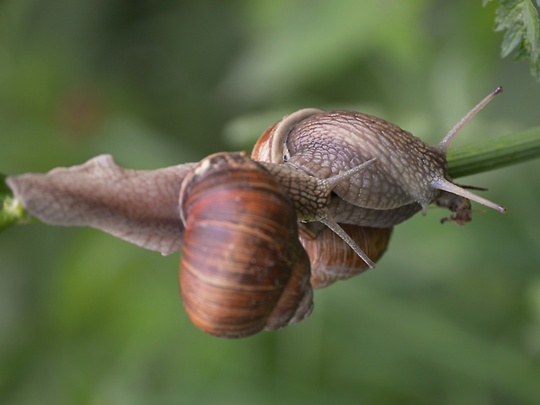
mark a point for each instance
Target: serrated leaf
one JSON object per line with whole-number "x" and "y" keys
{"x": 519, "y": 18}
{"x": 532, "y": 26}
{"x": 511, "y": 40}
{"x": 508, "y": 15}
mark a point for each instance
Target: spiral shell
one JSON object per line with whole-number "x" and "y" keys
{"x": 333, "y": 260}
{"x": 243, "y": 268}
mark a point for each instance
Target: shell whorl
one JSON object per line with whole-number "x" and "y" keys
{"x": 242, "y": 268}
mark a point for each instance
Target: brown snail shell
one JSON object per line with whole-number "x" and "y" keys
{"x": 243, "y": 268}
{"x": 332, "y": 260}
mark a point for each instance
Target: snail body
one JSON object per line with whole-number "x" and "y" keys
{"x": 406, "y": 171}
{"x": 406, "y": 176}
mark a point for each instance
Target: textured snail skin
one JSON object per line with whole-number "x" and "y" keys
{"x": 242, "y": 268}
{"x": 327, "y": 143}
{"x": 310, "y": 141}
{"x": 407, "y": 175}
{"x": 347, "y": 213}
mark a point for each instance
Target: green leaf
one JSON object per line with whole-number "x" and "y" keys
{"x": 532, "y": 26}
{"x": 519, "y": 18}
{"x": 512, "y": 39}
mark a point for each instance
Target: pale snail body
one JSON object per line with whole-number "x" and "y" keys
{"x": 406, "y": 176}
{"x": 331, "y": 259}
{"x": 406, "y": 171}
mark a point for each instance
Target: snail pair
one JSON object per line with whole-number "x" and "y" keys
{"x": 315, "y": 203}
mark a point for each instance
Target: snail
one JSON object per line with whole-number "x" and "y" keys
{"x": 243, "y": 268}
{"x": 406, "y": 177}
{"x": 315, "y": 203}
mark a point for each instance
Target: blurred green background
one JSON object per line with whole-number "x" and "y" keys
{"x": 451, "y": 315}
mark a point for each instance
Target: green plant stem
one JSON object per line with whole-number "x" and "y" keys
{"x": 11, "y": 211}
{"x": 493, "y": 154}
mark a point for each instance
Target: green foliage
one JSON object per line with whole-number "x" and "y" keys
{"x": 451, "y": 314}
{"x": 519, "y": 18}
{"x": 11, "y": 211}
{"x": 6, "y": 217}
{"x": 4, "y": 189}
